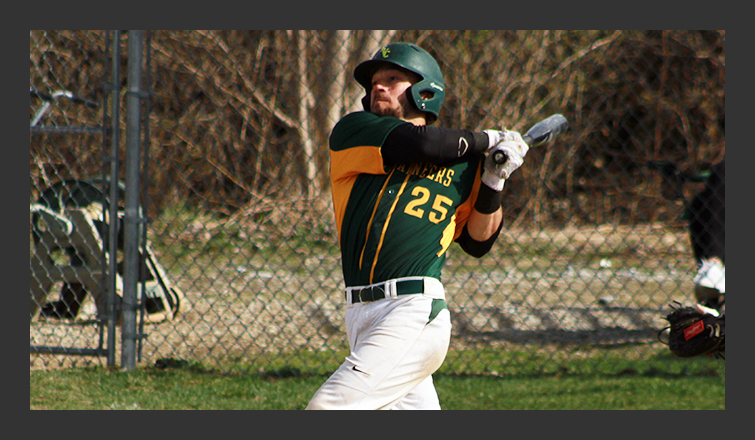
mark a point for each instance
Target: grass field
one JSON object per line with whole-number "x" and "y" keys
{"x": 662, "y": 383}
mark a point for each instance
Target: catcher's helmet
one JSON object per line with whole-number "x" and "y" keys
{"x": 415, "y": 59}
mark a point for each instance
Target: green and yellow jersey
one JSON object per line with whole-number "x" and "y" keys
{"x": 401, "y": 217}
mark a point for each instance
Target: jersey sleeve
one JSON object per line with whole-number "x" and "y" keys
{"x": 356, "y": 142}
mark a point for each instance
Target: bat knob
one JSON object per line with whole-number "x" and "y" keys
{"x": 499, "y": 157}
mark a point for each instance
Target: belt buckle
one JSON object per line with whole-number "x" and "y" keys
{"x": 371, "y": 292}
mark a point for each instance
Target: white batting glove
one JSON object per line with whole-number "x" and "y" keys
{"x": 514, "y": 148}
{"x": 495, "y": 137}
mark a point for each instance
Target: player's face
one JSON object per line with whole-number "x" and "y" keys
{"x": 388, "y": 95}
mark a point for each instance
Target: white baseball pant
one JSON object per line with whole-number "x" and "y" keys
{"x": 395, "y": 348}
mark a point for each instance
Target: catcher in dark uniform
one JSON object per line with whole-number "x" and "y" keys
{"x": 403, "y": 193}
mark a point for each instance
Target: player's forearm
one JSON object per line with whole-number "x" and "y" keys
{"x": 483, "y": 226}
{"x": 480, "y": 232}
{"x": 484, "y": 223}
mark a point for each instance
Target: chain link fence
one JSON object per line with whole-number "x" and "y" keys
{"x": 239, "y": 264}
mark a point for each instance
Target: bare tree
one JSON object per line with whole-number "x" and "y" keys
{"x": 339, "y": 42}
{"x": 306, "y": 103}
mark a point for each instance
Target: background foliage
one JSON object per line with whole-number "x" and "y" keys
{"x": 229, "y": 109}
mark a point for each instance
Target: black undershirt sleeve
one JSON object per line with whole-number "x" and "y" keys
{"x": 409, "y": 143}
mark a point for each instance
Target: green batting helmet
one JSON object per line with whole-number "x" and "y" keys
{"x": 414, "y": 59}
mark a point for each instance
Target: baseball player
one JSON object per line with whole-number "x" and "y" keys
{"x": 403, "y": 192}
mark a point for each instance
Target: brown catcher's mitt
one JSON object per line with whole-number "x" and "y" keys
{"x": 694, "y": 331}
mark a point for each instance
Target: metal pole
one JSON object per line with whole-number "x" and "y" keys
{"x": 145, "y": 176}
{"x": 113, "y": 306}
{"x": 132, "y": 218}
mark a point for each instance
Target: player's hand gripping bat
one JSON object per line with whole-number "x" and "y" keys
{"x": 539, "y": 134}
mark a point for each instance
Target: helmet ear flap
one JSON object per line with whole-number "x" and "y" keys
{"x": 427, "y": 97}
{"x": 414, "y": 95}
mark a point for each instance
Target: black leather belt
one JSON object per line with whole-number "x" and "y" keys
{"x": 376, "y": 292}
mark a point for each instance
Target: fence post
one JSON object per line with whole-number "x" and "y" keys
{"x": 132, "y": 215}
{"x": 114, "y": 308}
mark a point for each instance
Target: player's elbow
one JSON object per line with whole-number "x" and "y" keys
{"x": 474, "y": 250}
{"x": 474, "y": 247}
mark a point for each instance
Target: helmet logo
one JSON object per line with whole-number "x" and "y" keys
{"x": 436, "y": 86}
{"x": 385, "y": 51}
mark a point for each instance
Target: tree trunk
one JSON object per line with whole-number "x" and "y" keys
{"x": 306, "y": 102}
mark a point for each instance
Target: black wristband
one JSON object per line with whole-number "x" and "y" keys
{"x": 488, "y": 200}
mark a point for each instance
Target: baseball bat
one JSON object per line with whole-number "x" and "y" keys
{"x": 539, "y": 134}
